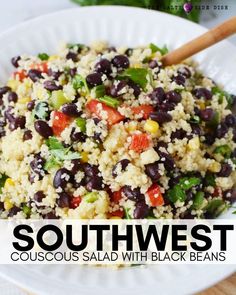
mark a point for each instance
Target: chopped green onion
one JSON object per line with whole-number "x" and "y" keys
{"x": 224, "y": 150}
{"x": 187, "y": 183}
{"x": 91, "y": 197}
{"x": 138, "y": 76}
{"x": 81, "y": 123}
{"x": 198, "y": 201}
{"x": 209, "y": 179}
{"x": 26, "y": 209}
{"x": 99, "y": 91}
{"x": 195, "y": 119}
{"x": 43, "y": 56}
{"x": 218, "y": 91}
{"x": 79, "y": 82}
{"x": 215, "y": 207}
{"x": 110, "y": 101}
{"x": 127, "y": 215}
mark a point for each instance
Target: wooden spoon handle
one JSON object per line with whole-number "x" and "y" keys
{"x": 206, "y": 40}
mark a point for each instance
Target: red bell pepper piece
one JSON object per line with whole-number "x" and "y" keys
{"x": 139, "y": 142}
{"x": 60, "y": 122}
{"x": 96, "y": 107}
{"x": 145, "y": 110}
{"x": 118, "y": 213}
{"x": 116, "y": 196}
{"x": 155, "y": 195}
{"x": 20, "y": 75}
{"x": 43, "y": 67}
{"x": 75, "y": 202}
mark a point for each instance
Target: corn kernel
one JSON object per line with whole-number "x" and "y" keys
{"x": 24, "y": 100}
{"x": 115, "y": 217}
{"x": 8, "y": 204}
{"x": 13, "y": 84}
{"x": 194, "y": 143}
{"x": 9, "y": 182}
{"x": 53, "y": 57}
{"x": 84, "y": 157}
{"x": 151, "y": 126}
{"x": 214, "y": 167}
{"x": 201, "y": 105}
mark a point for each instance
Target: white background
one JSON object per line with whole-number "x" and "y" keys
{"x": 13, "y": 12}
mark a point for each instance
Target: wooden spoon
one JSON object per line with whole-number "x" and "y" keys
{"x": 204, "y": 41}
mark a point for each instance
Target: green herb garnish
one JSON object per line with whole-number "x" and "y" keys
{"x": 81, "y": 123}
{"x": 209, "y": 179}
{"x": 198, "y": 200}
{"x": 215, "y": 207}
{"x": 224, "y": 150}
{"x": 41, "y": 110}
{"x": 99, "y": 91}
{"x": 163, "y": 50}
{"x": 79, "y": 82}
{"x": 110, "y": 101}
{"x": 3, "y": 178}
{"x": 138, "y": 76}
{"x": 43, "y": 56}
{"x": 26, "y": 209}
{"x": 53, "y": 143}
{"x": 127, "y": 215}
{"x": 216, "y": 90}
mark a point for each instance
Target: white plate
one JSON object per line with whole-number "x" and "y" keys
{"x": 119, "y": 26}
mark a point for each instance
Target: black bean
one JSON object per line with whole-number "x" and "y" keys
{"x": 141, "y": 210}
{"x": 197, "y": 111}
{"x": 12, "y": 97}
{"x": 51, "y": 86}
{"x": 225, "y": 170}
{"x": 35, "y": 75}
{"x": 233, "y": 155}
{"x": 160, "y": 117}
{"x": 18, "y": 122}
{"x": 153, "y": 64}
{"x": 64, "y": 200}
{"x": 76, "y": 166}
{"x": 230, "y": 195}
{"x": 3, "y": 123}
{"x": 90, "y": 170}
{"x": 4, "y": 90}
{"x": 230, "y": 120}
{"x": 70, "y": 109}
{"x": 161, "y": 144}
{"x": 94, "y": 183}
{"x": 178, "y": 134}
{"x": 15, "y": 61}
{"x": 167, "y": 160}
{"x": 37, "y": 165}
{"x": 94, "y": 79}
{"x": 61, "y": 178}
{"x": 111, "y": 49}
{"x": 221, "y": 130}
{"x": 129, "y": 51}
{"x": 13, "y": 211}
{"x": 77, "y": 136}
{"x": 173, "y": 96}
{"x": 30, "y": 105}
{"x": 27, "y": 135}
{"x": 179, "y": 79}
{"x": 2, "y": 132}
{"x": 116, "y": 88}
{"x": 209, "y": 138}
{"x": 152, "y": 170}
{"x": 185, "y": 72}
{"x": 207, "y": 114}
{"x": 234, "y": 134}
{"x": 103, "y": 66}
{"x": 54, "y": 74}
{"x": 1, "y": 206}
{"x": 166, "y": 106}
{"x": 187, "y": 215}
{"x": 158, "y": 96}
{"x": 196, "y": 129}
{"x": 9, "y": 114}
{"x": 43, "y": 128}
{"x": 202, "y": 93}
{"x": 135, "y": 87}
{"x": 97, "y": 137}
{"x": 72, "y": 72}
{"x": 122, "y": 164}
{"x": 132, "y": 194}
{"x": 50, "y": 215}
{"x": 39, "y": 196}
{"x": 120, "y": 61}
{"x": 73, "y": 56}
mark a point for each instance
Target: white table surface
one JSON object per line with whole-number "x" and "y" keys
{"x": 13, "y": 12}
